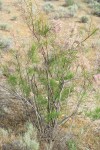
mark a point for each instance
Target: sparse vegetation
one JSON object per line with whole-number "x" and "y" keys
{"x": 26, "y": 142}
{"x": 95, "y": 114}
{"x": 61, "y": 13}
{"x": 72, "y": 10}
{"x": 89, "y": 1}
{"x": 72, "y": 145}
{"x": 69, "y": 2}
{"x": 0, "y": 5}
{"x": 4, "y": 27}
{"x": 14, "y": 18}
{"x": 66, "y": 12}
{"x": 30, "y": 138}
{"x": 96, "y": 7}
{"x": 84, "y": 19}
{"x": 48, "y": 7}
{"x": 97, "y": 11}
{"x": 5, "y": 44}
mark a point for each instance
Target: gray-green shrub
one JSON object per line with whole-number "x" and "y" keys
{"x": 84, "y": 19}
{"x": 96, "y": 8}
{"x": 66, "y": 12}
{"x": 30, "y": 138}
{"x": 0, "y": 5}
{"x": 96, "y": 11}
{"x": 48, "y": 7}
{"x": 5, "y": 43}
{"x": 13, "y": 18}
{"x": 69, "y": 2}
{"x": 4, "y": 26}
{"x": 89, "y": 1}
{"x": 27, "y": 141}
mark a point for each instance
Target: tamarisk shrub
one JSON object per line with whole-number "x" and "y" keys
{"x": 43, "y": 79}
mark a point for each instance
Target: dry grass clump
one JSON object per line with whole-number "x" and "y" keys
{"x": 85, "y": 133}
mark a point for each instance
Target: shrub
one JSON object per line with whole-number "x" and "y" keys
{"x": 27, "y": 141}
{"x": 98, "y": 1}
{"x": 30, "y": 138}
{"x": 66, "y": 12}
{"x": 96, "y": 8}
{"x": 13, "y": 18}
{"x": 69, "y": 2}
{"x": 97, "y": 11}
{"x": 4, "y": 27}
{"x": 45, "y": 89}
{"x": 93, "y": 4}
{"x": 0, "y": 5}
{"x": 84, "y": 19}
{"x": 42, "y": 81}
{"x": 72, "y": 10}
{"x": 3, "y": 132}
{"x": 48, "y": 7}
{"x": 61, "y": 13}
{"x": 5, "y": 43}
{"x": 89, "y": 1}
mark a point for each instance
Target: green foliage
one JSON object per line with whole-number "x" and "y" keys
{"x": 95, "y": 114}
{"x": 66, "y": 92}
{"x": 69, "y": 2}
{"x": 32, "y": 53}
{"x": 45, "y": 73}
{"x": 41, "y": 28}
{"x": 84, "y": 19}
{"x": 25, "y": 87}
{"x": 52, "y": 116}
{"x": 42, "y": 100}
{"x": 43, "y": 77}
{"x": 69, "y": 76}
{"x": 12, "y": 80}
{"x": 71, "y": 145}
